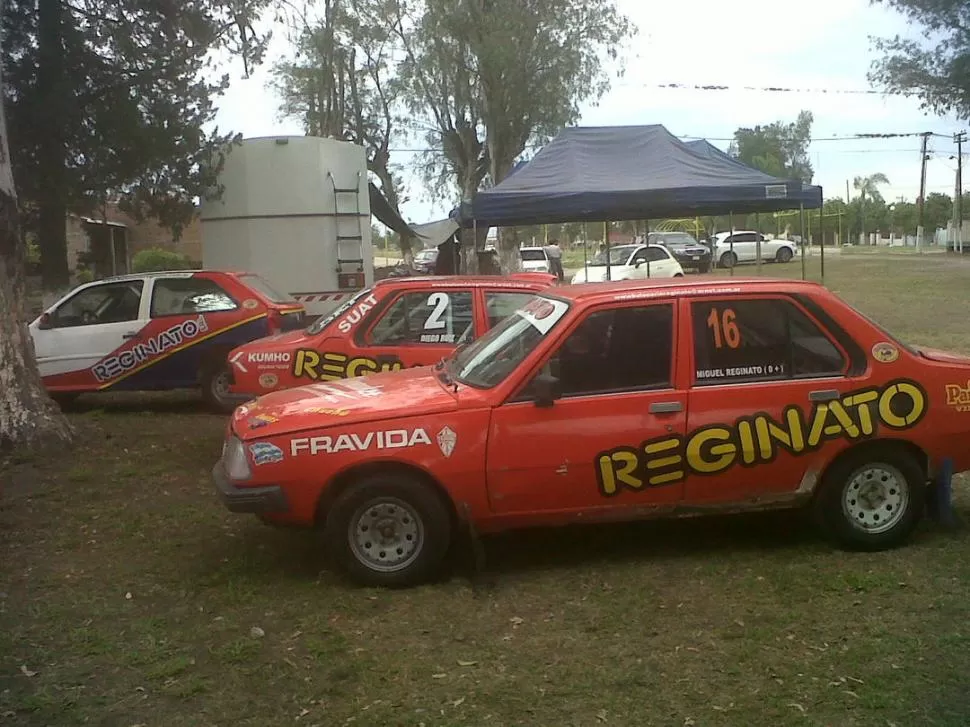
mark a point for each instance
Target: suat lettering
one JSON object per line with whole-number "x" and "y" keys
{"x": 958, "y": 397}
{"x": 391, "y": 439}
{"x": 114, "y": 366}
{"x": 757, "y": 439}
{"x": 333, "y": 366}
{"x": 357, "y": 314}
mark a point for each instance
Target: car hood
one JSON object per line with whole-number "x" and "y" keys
{"x": 391, "y": 395}
{"x": 689, "y": 249}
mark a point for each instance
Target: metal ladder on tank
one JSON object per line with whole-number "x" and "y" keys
{"x": 350, "y": 245}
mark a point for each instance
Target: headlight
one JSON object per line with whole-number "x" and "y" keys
{"x": 235, "y": 460}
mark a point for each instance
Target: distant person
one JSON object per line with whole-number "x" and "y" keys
{"x": 554, "y": 253}
{"x": 449, "y": 257}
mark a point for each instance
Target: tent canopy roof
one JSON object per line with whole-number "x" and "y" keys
{"x": 626, "y": 173}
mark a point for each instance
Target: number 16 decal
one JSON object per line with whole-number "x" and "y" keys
{"x": 724, "y": 328}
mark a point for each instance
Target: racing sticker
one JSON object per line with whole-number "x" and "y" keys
{"x": 330, "y": 366}
{"x": 357, "y": 313}
{"x": 265, "y": 453}
{"x": 250, "y": 303}
{"x": 758, "y": 439}
{"x": 269, "y": 381}
{"x": 446, "y": 439}
{"x": 262, "y": 360}
{"x": 144, "y": 351}
{"x": 543, "y": 313}
{"x": 347, "y": 390}
{"x": 885, "y": 352}
{"x": 958, "y": 397}
{"x": 387, "y": 439}
{"x": 262, "y": 420}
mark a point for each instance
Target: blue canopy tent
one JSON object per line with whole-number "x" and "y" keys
{"x": 591, "y": 174}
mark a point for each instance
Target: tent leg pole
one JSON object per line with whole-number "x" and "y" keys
{"x": 821, "y": 235}
{"x": 757, "y": 240}
{"x": 585, "y": 254}
{"x": 646, "y": 239}
{"x": 606, "y": 239}
{"x": 801, "y": 212}
{"x": 731, "y": 244}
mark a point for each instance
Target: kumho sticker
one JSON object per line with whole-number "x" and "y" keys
{"x": 124, "y": 362}
{"x": 758, "y": 439}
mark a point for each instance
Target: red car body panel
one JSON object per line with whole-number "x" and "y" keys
{"x": 342, "y": 349}
{"x": 687, "y": 449}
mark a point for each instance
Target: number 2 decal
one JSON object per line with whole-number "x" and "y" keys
{"x": 436, "y": 320}
{"x": 724, "y": 328}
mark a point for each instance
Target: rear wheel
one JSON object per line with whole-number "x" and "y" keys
{"x": 784, "y": 255}
{"x": 728, "y": 260}
{"x": 389, "y": 530}
{"x": 872, "y": 500}
{"x": 215, "y": 389}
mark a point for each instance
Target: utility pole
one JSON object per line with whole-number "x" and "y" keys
{"x": 922, "y": 191}
{"x": 959, "y": 138}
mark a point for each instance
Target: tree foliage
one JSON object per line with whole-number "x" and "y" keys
{"x": 342, "y": 83}
{"x": 937, "y": 68}
{"x": 778, "y": 149}
{"x": 108, "y": 99}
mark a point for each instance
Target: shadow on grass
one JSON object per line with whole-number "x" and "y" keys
{"x": 138, "y": 402}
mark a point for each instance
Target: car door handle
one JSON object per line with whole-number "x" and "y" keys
{"x": 666, "y": 407}
{"x": 823, "y": 395}
{"x": 134, "y": 334}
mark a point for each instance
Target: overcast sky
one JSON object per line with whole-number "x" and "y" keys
{"x": 760, "y": 43}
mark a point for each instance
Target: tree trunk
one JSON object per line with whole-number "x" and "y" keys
{"x": 28, "y": 417}
{"x": 52, "y": 160}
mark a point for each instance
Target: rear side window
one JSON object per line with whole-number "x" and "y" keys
{"x": 499, "y": 306}
{"x": 185, "y": 296}
{"x": 759, "y": 340}
{"x": 426, "y": 317}
{"x": 266, "y": 290}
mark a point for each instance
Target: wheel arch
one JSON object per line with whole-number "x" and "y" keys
{"x": 214, "y": 356}
{"x": 919, "y": 455}
{"x": 344, "y": 479}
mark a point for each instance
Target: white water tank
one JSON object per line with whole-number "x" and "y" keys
{"x": 279, "y": 215}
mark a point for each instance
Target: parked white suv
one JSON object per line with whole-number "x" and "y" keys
{"x": 631, "y": 262}
{"x": 534, "y": 260}
{"x": 741, "y": 246}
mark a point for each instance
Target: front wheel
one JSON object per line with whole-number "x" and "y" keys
{"x": 389, "y": 530}
{"x": 784, "y": 255}
{"x": 872, "y": 500}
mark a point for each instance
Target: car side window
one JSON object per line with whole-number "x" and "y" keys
{"x": 106, "y": 303}
{"x": 432, "y": 317}
{"x": 499, "y": 306}
{"x": 759, "y": 340}
{"x": 640, "y": 256}
{"x": 186, "y": 296}
{"x": 656, "y": 254}
{"x": 622, "y": 349}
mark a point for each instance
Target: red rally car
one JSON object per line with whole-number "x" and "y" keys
{"x": 613, "y": 401}
{"x": 157, "y": 331}
{"x": 397, "y": 323}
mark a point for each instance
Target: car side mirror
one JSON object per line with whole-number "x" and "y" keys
{"x": 45, "y": 322}
{"x": 637, "y": 264}
{"x": 545, "y": 390}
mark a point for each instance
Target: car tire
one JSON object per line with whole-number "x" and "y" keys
{"x": 417, "y": 530}
{"x": 215, "y": 389}
{"x": 872, "y": 500}
{"x": 704, "y": 268}
{"x": 784, "y": 255}
{"x": 728, "y": 260}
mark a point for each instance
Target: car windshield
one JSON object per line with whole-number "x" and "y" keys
{"x": 323, "y": 321}
{"x": 678, "y": 241}
{"x": 489, "y": 360}
{"x": 618, "y": 255}
{"x": 266, "y": 290}
{"x": 532, "y": 254}
{"x": 426, "y": 255}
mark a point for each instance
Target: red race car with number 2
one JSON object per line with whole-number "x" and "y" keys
{"x": 613, "y": 401}
{"x": 397, "y": 323}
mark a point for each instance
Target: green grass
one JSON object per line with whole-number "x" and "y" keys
{"x": 749, "y": 621}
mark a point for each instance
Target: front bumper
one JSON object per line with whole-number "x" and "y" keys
{"x": 688, "y": 261}
{"x": 252, "y": 500}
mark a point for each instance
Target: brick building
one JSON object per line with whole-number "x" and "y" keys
{"x": 109, "y": 244}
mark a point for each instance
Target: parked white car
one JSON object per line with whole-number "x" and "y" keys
{"x": 631, "y": 262}
{"x": 534, "y": 260}
{"x": 741, "y": 246}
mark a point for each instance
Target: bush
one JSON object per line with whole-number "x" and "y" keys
{"x": 157, "y": 259}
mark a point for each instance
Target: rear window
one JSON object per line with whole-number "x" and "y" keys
{"x": 266, "y": 290}
{"x": 532, "y": 255}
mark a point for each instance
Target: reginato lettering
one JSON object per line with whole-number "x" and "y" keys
{"x": 143, "y": 351}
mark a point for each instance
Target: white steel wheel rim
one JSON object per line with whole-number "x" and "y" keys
{"x": 386, "y": 534}
{"x": 876, "y": 498}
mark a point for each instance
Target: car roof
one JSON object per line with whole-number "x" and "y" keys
{"x": 663, "y": 287}
{"x": 531, "y": 247}
{"x": 161, "y": 273}
{"x": 463, "y": 281}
